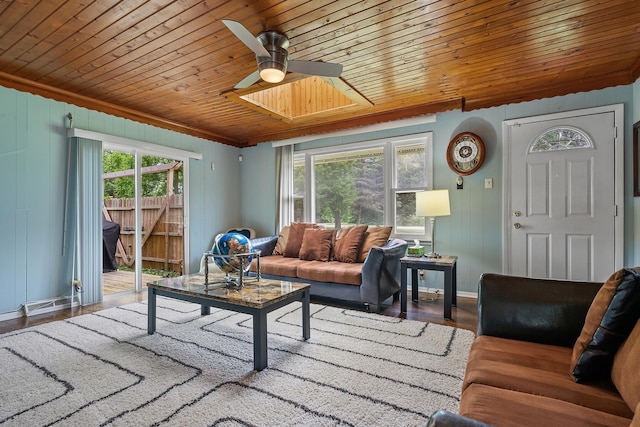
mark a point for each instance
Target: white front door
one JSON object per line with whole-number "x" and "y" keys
{"x": 563, "y": 185}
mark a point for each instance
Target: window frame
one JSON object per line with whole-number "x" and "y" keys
{"x": 389, "y": 147}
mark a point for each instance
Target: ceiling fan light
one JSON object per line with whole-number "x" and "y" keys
{"x": 274, "y": 68}
{"x": 272, "y": 75}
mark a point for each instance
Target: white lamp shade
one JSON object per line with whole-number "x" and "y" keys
{"x": 433, "y": 203}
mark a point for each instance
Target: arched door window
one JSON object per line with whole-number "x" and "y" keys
{"x": 560, "y": 138}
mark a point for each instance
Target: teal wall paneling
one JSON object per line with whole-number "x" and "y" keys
{"x": 33, "y": 163}
{"x": 33, "y": 171}
{"x": 474, "y": 229}
{"x": 632, "y": 209}
{"x": 39, "y": 188}
{"x": 258, "y": 183}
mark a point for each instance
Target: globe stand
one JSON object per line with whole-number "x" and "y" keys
{"x": 231, "y": 281}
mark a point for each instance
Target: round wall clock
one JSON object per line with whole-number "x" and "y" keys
{"x": 465, "y": 153}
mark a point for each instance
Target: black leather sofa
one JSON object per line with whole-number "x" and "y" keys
{"x": 519, "y": 370}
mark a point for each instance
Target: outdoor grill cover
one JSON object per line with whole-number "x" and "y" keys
{"x": 110, "y": 235}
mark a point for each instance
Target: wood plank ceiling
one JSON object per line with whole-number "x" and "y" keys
{"x": 170, "y": 63}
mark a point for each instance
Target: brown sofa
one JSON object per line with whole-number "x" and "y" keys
{"x": 553, "y": 353}
{"x": 369, "y": 275}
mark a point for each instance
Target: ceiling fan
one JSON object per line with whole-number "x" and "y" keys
{"x": 270, "y": 48}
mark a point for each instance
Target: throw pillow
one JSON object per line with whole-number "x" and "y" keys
{"x": 611, "y": 317}
{"x": 294, "y": 241}
{"x": 316, "y": 244}
{"x": 282, "y": 240}
{"x": 348, "y": 243}
{"x": 375, "y": 236}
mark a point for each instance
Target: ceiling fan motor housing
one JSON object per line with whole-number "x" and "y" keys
{"x": 276, "y": 44}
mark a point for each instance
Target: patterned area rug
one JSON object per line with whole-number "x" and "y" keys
{"x": 102, "y": 369}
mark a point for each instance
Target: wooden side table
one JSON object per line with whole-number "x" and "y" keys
{"x": 446, "y": 263}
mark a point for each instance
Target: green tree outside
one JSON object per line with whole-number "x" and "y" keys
{"x": 153, "y": 184}
{"x": 335, "y": 191}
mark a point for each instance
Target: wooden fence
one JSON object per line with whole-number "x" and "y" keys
{"x": 162, "y": 231}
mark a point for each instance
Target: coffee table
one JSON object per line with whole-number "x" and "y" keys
{"x": 255, "y": 297}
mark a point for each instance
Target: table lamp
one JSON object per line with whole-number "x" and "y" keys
{"x": 433, "y": 203}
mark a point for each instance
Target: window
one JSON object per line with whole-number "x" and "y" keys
{"x": 560, "y": 138}
{"x": 298, "y": 188}
{"x": 410, "y": 176}
{"x": 371, "y": 183}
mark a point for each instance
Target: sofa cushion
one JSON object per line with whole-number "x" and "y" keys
{"x": 334, "y": 272}
{"x": 277, "y": 265}
{"x": 502, "y": 407}
{"x": 282, "y": 240}
{"x": 537, "y": 369}
{"x": 626, "y": 368}
{"x": 611, "y": 317}
{"x": 316, "y": 244}
{"x": 635, "y": 422}
{"x": 294, "y": 241}
{"x": 375, "y": 236}
{"x": 348, "y": 243}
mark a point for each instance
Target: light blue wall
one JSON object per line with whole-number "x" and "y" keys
{"x": 33, "y": 159}
{"x": 33, "y": 170}
{"x": 474, "y": 229}
{"x": 636, "y": 101}
{"x": 258, "y": 179}
{"x": 634, "y": 204}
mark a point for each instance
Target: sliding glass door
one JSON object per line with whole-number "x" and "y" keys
{"x": 143, "y": 219}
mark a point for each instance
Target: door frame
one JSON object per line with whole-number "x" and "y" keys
{"x": 618, "y": 167}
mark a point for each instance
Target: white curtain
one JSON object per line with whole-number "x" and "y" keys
{"x": 284, "y": 193}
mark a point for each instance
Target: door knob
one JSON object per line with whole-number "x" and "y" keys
{"x": 517, "y": 225}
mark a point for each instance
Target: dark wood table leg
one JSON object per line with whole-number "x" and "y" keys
{"x": 403, "y": 288}
{"x": 414, "y": 284}
{"x": 454, "y": 279}
{"x": 306, "y": 315}
{"x": 260, "y": 340}
{"x": 205, "y": 310}
{"x": 448, "y": 292}
{"x": 151, "y": 311}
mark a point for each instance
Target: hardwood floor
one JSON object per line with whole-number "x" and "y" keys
{"x": 428, "y": 309}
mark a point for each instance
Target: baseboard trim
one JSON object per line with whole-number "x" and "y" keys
{"x": 10, "y": 315}
{"x": 465, "y": 294}
{"x": 440, "y": 291}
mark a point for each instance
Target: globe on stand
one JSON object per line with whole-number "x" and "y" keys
{"x": 230, "y": 251}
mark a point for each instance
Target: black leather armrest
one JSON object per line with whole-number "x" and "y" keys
{"x": 265, "y": 245}
{"x": 449, "y": 419}
{"x": 537, "y": 310}
{"x": 381, "y": 271}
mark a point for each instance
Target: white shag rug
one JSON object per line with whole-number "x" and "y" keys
{"x": 102, "y": 369}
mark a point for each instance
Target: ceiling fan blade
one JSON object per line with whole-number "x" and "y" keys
{"x": 246, "y": 37}
{"x": 315, "y": 68}
{"x": 248, "y": 81}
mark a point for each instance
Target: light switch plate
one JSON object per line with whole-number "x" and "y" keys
{"x": 488, "y": 183}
